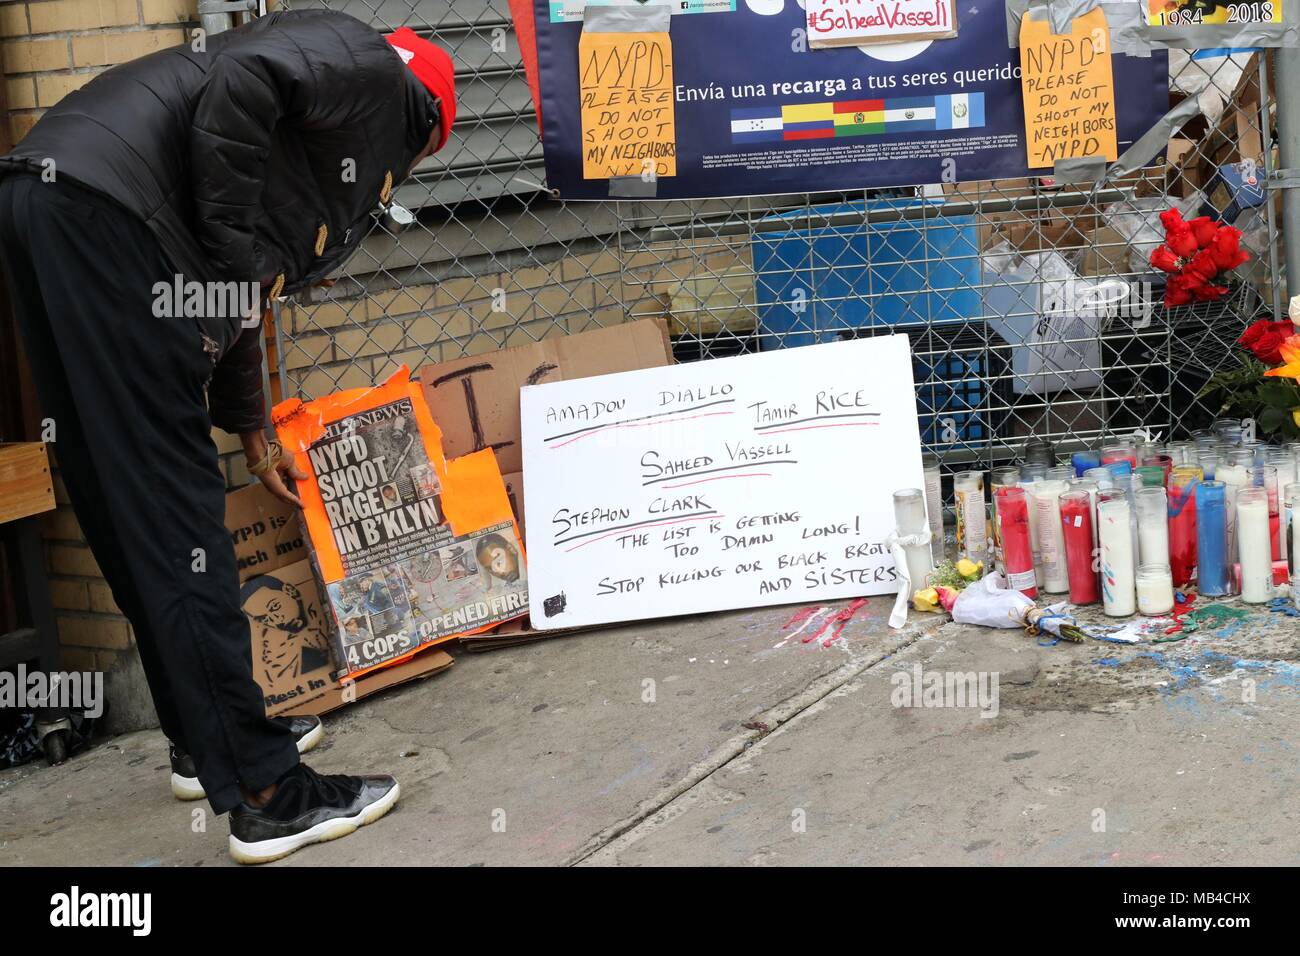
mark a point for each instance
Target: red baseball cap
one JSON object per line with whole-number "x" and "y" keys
{"x": 432, "y": 66}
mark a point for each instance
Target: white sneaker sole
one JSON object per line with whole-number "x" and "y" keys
{"x": 313, "y": 737}
{"x": 267, "y": 850}
{"x": 189, "y": 788}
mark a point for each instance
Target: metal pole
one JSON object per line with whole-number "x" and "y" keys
{"x": 1288, "y": 173}
{"x": 215, "y": 15}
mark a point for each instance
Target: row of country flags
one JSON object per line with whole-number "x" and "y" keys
{"x": 832, "y": 120}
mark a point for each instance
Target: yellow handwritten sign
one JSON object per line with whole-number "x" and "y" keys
{"x": 1069, "y": 90}
{"x": 626, "y": 84}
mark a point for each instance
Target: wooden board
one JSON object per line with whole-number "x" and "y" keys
{"x": 26, "y": 485}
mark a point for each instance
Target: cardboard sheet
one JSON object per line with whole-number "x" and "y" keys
{"x": 411, "y": 548}
{"x": 625, "y": 81}
{"x": 292, "y": 660}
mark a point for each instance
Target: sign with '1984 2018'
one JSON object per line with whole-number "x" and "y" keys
{"x": 757, "y": 480}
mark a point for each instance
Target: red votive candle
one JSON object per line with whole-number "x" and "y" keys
{"x": 1017, "y": 550}
{"x": 1182, "y": 523}
{"x": 1076, "y": 523}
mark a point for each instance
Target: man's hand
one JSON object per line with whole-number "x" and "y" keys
{"x": 256, "y": 448}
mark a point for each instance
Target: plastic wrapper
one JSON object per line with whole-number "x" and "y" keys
{"x": 1209, "y": 75}
{"x": 1138, "y": 221}
{"x": 990, "y": 603}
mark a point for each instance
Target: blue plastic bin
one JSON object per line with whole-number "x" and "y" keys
{"x": 816, "y": 284}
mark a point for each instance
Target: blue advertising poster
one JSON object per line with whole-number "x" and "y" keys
{"x": 757, "y": 112}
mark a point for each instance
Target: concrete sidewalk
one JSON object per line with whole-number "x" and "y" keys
{"x": 729, "y": 739}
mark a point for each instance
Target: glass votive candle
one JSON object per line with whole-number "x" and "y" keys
{"x": 1155, "y": 590}
{"x": 1208, "y": 459}
{"x": 1103, "y": 476}
{"x": 1153, "y": 526}
{"x": 1213, "y": 571}
{"x": 1007, "y": 476}
{"x": 909, "y": 511}
{"x": 1284, "y": 461}
{"x": 1114, "y": 453}
{"x": 1253, "y": 548}
{"x": 1153, "y": 476}
{"x": 1291, "y": 533}
{"x": 1083, "y": 460}
{"x": 972, "y": 515}
{"x": 1182, "y": 523}
{"x": 934, "y": 507}
{"x": 1265, "y": 476}
{"x": 1245, "y": 457}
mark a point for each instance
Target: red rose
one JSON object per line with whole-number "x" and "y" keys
{"x": 1203, "y": 265}
{"x": 1182, "y": 241}
{"x": 1177, "y": 291}
{"x": 1163, "y": 258}
{"x": 1226, "y": 248}
{"x": 1208, "y": 293}
{"x": 1204, "y": 229}
{"x": 1171, "y": 219}
{"x": 1264, "y": 338}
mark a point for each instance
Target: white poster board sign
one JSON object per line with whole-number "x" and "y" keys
{"x": 756, "y": 480}
{"x": 856, "y": 22}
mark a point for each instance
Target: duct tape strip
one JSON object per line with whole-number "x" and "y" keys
{"x": 1150, "y": 143}
{"x": 632, "y": 187}
{"x": 1062, "y": 13}
{"x": 1127, "y": 28}
{"x": 1208, "y": 36}
{"x": 1080, "y": 169}
{"x": 647, "y": 18}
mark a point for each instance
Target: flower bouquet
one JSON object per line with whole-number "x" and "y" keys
{"x": 1197, "y": 256}
{"x": 1265, "y": 385}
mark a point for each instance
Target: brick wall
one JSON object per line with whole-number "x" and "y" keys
{"x": 51, "y": 47}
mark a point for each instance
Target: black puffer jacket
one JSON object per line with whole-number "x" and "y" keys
{"x": 258, "y": 159}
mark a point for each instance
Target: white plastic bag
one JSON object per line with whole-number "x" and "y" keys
{"x": 988, "y": 602}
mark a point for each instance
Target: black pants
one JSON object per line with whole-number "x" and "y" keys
{"x": 125, "y": 391}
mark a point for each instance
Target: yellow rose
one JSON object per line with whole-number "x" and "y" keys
{"x": 926, "y": 599}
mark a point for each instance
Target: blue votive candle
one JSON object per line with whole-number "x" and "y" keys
{"x": 1213, "y": 577}
{"x": 1083, "y": 460}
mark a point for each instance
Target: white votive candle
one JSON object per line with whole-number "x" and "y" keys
{"x": 1155, "y": 589}
{"x": 1254, "y": 545}
{"x": 1051, "y": 536}
{"x": 1118, "y": 590}
{"x": 1153, "y": 526}
{"x": 934, "y": 508}
{"x": 1234, "y": 478}
{"x": 972, "y": 516}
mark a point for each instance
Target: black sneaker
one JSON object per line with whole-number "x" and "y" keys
{"x": 307, "y": 733}
{"x": 308, "y": 808}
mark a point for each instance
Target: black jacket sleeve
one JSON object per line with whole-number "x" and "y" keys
{"x": 236, "y": 403}
{"x": 322, "y": 79}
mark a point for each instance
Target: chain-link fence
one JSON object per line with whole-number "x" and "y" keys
{"x": 1031, "y": 307}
